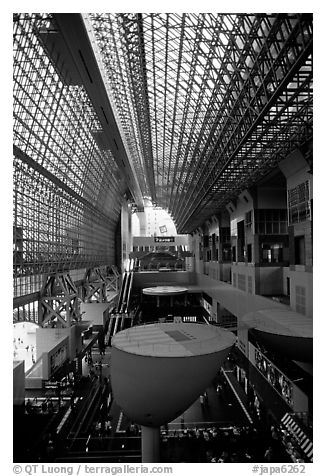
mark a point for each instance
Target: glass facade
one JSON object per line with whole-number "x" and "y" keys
{"x": 66, "y": 191}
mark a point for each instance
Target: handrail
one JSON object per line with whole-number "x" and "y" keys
{"x": 129, "y": 289}
{"x": 37, "y": 363}
{"x": 123, "y": 284}
{"x": 84, "y": 411}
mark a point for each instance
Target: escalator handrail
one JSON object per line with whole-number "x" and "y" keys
{"x": 120, "y": 300}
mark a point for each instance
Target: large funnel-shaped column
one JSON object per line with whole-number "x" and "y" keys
{"x": 288, "y": 332}
{"x": 159, "y": 370}
{"x": 150, "y": 444}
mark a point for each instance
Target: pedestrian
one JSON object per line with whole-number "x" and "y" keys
{"x": 28, "y": 406}
{"x": 108, "y": 428}
{"x": 268, "y": 455}
{"x": 50, "y": 406}
{"x": 49, "y": 450}
{"x": 274, "y": 433}
{"x": 98, "y": 428}
{"x": 206, "y": 399}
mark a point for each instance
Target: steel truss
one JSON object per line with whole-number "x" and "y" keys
{"x": 59, "y": 301}
{"x": 67, "y": 194}
{"x": 98, "y": 283}
{"x": 215, "y": 100}
{"x": 95, "y": 285}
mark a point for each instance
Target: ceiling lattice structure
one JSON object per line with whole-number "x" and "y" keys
{"x": 208, "y": 103}
{"x": 67, "y": 195}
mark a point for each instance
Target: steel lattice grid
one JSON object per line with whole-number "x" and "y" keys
{"x": 213, "y": 82}
{"x": 67, "y": 193}
{"x": 111, "y": 46}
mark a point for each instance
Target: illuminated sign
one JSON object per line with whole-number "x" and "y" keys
{"x": 58, "y": 358}
{"x": 164, "y": 239}
{"x": 275, "y": 377}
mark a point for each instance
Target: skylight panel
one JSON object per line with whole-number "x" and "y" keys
{"x": 216, "y": 63}
{"x": 224, "y": 39}
{"x": 204, "y": 47}
{"x": 228, "y": 23}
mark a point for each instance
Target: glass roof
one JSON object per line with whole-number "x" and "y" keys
{"x": 67, "y": 193}
{"x": 208, "y": 103}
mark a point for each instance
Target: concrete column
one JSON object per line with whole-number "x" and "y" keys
{"x": 150, "y": 444}
{"x": 142, "y": 223}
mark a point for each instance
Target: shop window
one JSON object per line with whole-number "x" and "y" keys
{"x": 226, "y": 252}
{"x": 241, "y": 230}
{"x": 299, "y": 250}
{"x": 288, "y": 287}
{"x": 248, "y": 219}
{"x": 272, "y": 252}
{"x": 271, "y": 222}
{"x": 241, "y": 239}
{"x": 234, "y": 258}
{"x": 249, "y": 253}
{"x": 299, "y": 203}
{"x": 267, "y": 254}
{"x": 225, "y": 234}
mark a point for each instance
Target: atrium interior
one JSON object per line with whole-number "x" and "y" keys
{"x": 162, "y": 237}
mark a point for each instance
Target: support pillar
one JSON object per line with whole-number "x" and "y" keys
{"x": 150, "y": 444}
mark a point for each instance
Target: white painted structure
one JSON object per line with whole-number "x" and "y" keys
{"x": 159, "y": 370}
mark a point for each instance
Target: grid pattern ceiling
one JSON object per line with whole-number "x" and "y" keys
{"x": 209, "y": 103}
{"x": 67, "y": 195}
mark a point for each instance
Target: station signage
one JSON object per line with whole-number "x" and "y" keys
{"x": 273, "y": 375}
{"x": 164, "y": 239}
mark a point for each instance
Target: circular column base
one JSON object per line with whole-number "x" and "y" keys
{"x": 150, "y": 444}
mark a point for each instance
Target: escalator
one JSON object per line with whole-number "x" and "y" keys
{"x": 122, "y": 290}
{"x": 127, "y": 293}
{"x": 92, "y": 407}
{"x": 119, "y": 318}
{"x": 126, "y": 287}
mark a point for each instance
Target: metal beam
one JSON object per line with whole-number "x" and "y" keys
{"x": 75, "y": 30}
